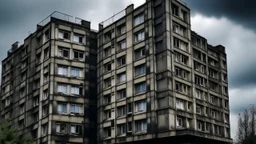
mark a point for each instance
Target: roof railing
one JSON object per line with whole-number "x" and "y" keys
{"x": 61, "y": 16}
{"x": 113, "y": 19}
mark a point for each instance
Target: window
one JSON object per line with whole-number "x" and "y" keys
{"x": 189, "y": 106}
{"x": 224, "y": 64}
{"x": 140, "y": 36}
{"x": 182, "y": 88}
{"x": 199, "y": 125}
{"x": 181, "y": 73}
{"x": 45, "y": 110}
{"x": 181, "y": 58}
{"x": 107, "y": 83}
{"x": 122, "y": 94}
{"x": 122, "y": 45}
{"x": 46, "y": 77}
{"x": 225, "y": 90}
{"x": 78, "y": 38}
{"x": 64, "y": 35}
{"x": 38, "y": 58}
{"x": 140, "y": 106}
{"x": 198, "y": 109}
{"x": 180, "y": 104}
{"x": 22, "y": 109}
{"x": 129, "y": 107}
{"x": 213, "y": 74}
{"x": 226, "y": 104}
{"x": 175, "y": 10}
{"x": 138, "y": 20}
{"x": 45, "y": 94}
{"x": 183, "y": 15}
{"x": 199, "y": 94}
{"x": 44, "y": 129}
{"x": 107, "y": 52}
{"x": 75, "y": 90}
{"x": 78, "y": 55}
{"x": 107, "y": 132}
{"x": 199, "y": 80}
{"x": 121, "y": 77}
{"x": 107, "y": 99}
{"x": 62, "y": 108}
{"x": 63, "y": 52}
{"x": 141, "y": 87}
{"x": 63, "y": 70}
{"x": 178, "y": 29}
{"x": 121, "y": 61}
{"x": 129, "y": 127}
{"x": 180, "y": 44}
{"x": 108, "y": 114}
{"x": 47, "y": 35}
{"x": 122, "y": 29}
{"x": 7, "y": 101}
{"x": 107, "y": 67}
{"x": 213, "y": 86}
{"x": 139, "y": 53}
{"x": 121, "y": 111}
{"x": 75, "y": 72}
{"x": 141, "y": 125}
{"x": 46, "y": 53}
{"x": 180, "y": 122}
{"x": 35, "y": 117}
{"x": 61, "y": 128}
{"x": 225, "y": 77}
{"x": 75, "y": 108}
{"x": 141, "y": 69}
{"x": 207, "y": 127}
{"x": 107, "y": 36}
{"x": 213, "y": 114}
{"x": 62, "y": 88}
{"x": 121, "y": 129}
{"x": 76, "y": 129}
{"x": 36, "y": 101}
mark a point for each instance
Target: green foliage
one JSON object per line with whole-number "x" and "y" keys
{"x": 9, "y": 135}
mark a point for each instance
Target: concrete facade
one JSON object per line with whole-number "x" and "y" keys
{"x": 158, "y": 80}
{"x": 48, "y": 84}
{"x": 144, "y": 78}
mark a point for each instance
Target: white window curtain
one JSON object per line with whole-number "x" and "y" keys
{"x": 75, "y": 90}
{"x": 62, "y": 88}
{"x": 141, "y": 106}
{"x": 138, "y": 20}
{"x": 76, "y": 38}
{"x": 73, "y": 129}
{"x": 180, "y": 104}
{"x": 61, "y": 35}
{"x": 62, "y": 108}
{"x": 57, "y": 128}
{"x": 141, "y": 36}
{"x": 142, "y": 87}
{"x": 75, "y": 109}
{"x": 63, "y": 71}
{"x": 123, "y": 45}
{"x": 75, "y": 72}
{"x": 122, "y": 77}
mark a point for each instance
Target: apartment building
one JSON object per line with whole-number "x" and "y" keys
{"x": 49, "y": 82}
{"x": 144, "y": 77}
{"x": 158, "y": 81}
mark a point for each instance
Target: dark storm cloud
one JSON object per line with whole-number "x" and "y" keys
{"x": 239, "y": 11}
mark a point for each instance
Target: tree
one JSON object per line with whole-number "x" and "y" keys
{"x": 246, "y": 127}
{"x": 9, "y": 135}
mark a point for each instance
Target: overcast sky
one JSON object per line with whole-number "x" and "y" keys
{"x": 226, "y": 22}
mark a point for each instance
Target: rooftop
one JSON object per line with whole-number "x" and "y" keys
{"x": 61, "y": 16}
